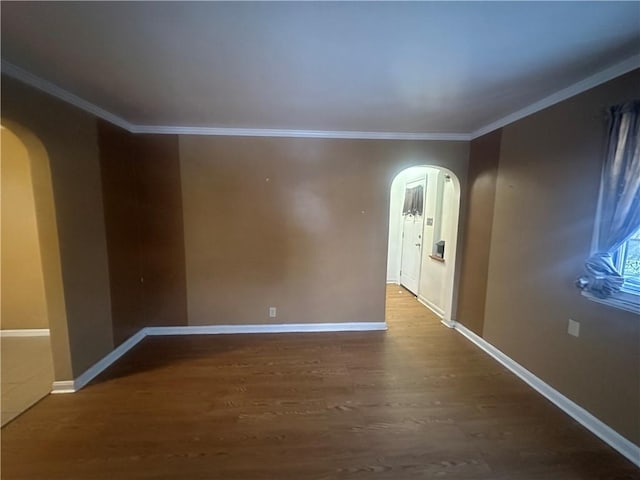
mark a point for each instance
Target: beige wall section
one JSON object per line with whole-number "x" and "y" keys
{"x": 546, "y": 195}
{"x": 435, "y": 277}
{"x": 23, "y": 299}
{"x": 299, "y": 224}
{"x": 69, "y": 137}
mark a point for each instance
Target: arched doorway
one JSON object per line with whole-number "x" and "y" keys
{"x": 33, "y": 328}
{"x": 423, "y": 231}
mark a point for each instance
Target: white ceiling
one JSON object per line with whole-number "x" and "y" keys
{"x": 439, "y": 67}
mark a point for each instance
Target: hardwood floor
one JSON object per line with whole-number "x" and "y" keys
{"x": 418, "y": 401}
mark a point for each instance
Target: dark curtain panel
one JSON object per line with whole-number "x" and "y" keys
{"x": 413, "y": 201}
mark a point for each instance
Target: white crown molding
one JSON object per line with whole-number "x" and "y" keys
{"x": 599, "y": 78}
{"x": 43, "y": 85}
{"x": 579, "y": 87}
{"x": 270, "y": 132}
{"x": 25, "y": 332}
{"x": 579, "y": 414}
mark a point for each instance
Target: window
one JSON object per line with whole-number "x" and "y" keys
{"x": 627, "y": 261}
{"x": 613, "y": 269}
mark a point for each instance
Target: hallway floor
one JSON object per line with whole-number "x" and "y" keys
{"x": 27, "y": 373}
{"x": 417, "y": 401}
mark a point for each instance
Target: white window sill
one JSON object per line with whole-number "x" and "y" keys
{"x": 623, "y": 300}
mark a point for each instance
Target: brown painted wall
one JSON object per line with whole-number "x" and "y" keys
{"x": 299, "y": 224}
{"x": 121, "y": 214}
{"x": 162, "y": 232}
{"x": 143, "y": 216}
{"x": 484, "y": 156}
{"x": 70, "y": 138}
{"x": 546, "y": 195}
{"x": 23, "y": 302}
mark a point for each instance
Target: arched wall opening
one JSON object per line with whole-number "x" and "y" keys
{"x": 24, "y": 305}
{"x": 23, "y": 151}
{"x": 416, "y": 239}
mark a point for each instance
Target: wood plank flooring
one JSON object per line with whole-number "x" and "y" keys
{"x": 418, "y": 401}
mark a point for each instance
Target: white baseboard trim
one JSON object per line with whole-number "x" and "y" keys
{"x": 64, "y": 386}
{"x": 72, "y": 386}
{"x": 431, "y": 306}
{"x": 393, "y": 281}
{"x": 25, "y": 332}
{"x": 625, "y": 447}
{"x": 267, "y": 328}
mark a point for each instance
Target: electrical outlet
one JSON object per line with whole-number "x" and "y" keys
{"x": 272, "y": 312}
{"x": 574, "y": 328}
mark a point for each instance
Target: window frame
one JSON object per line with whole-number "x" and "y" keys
{"x": 629, "y": 297}
{"x": 619, "y": 259}
{"x": 622, "y": 300}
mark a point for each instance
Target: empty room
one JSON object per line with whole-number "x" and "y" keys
{"x": 320, "y": 240}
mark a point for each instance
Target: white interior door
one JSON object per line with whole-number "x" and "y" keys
{"x": 411, "y": 256}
